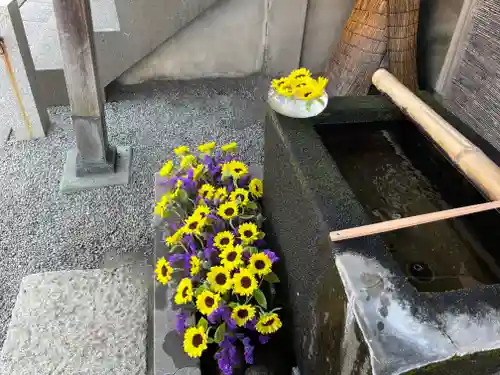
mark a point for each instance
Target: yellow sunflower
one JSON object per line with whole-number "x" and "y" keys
{"x": 256, "y": 187}
{"x": 163, "y": 271}
{"x": 197, "y": 171}
{"x": 228, "y": 210}
{"x": 322, "y": 82}
{"x": 181, "y": 150}
{"x": 239, "y": 195}
{"x": 184, "y": 292}
{"x": 242, "y": 314}
{"x": 167, "y": 169}
{"x": 207, "y": 302}
{"x": 232, "y": 257}
{"x": 244, "y": 282}
{"x": 268, "y": 323}
{"x": 188, "y": 161}
{"x": 260, "y": 264}
{"x": 206, "y": 191}
{"x": 206, "y": 148}
{"x": 248, "y": 233}
{"x": 202, "y": 210}
{"x": 177, "y": 190}
{"x": 308, "y": 92}
{"x": 234, "y": 168}
{"x": 219, "y": 279}
{"x": 161, "y": 205}
{"x": 195, "y": 341}
{"x": 194, "y": 224}
{"x": 175, "y": 238}
{"x": 223, "y": 240}
{"x": 195, "y": 264}
{"x": 285, "y": 90}
{"x": 220, "y": 194}
{"x": 279, "y": 83}
{"x": 230, "y": 147}
{"x": 298, "y": 74}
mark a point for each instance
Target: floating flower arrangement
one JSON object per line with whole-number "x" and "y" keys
{"x": 213, "y": 219}
{"x": 299, "y": 94}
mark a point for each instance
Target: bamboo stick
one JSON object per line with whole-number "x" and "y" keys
{"x": 391, "y": 225}
{"x": 483, "y": 172}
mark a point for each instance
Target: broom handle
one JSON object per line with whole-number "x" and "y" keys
{"x": 388, "y": 226}
{"x": 483, "y": 172}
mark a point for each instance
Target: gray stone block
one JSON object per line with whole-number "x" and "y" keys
{"x": 71, "y": 183}
{"x": 169, "y": 357}
{"x": 78, "y": 322}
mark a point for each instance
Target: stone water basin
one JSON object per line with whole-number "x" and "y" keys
{"x": 395, "y": 171}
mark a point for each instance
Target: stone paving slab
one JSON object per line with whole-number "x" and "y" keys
{"x": 78, "y": 322}
{"x": 169, "y": 355}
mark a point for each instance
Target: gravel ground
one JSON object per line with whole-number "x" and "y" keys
{"x": 42, "y": 230}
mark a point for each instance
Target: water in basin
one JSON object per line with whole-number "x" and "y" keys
{"x": 395, "y": 171}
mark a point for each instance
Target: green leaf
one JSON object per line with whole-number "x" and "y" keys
{"x": 183, "y": 195}
{"x": 233, "y": 305}
{"x": 200, "y": 290}
{"x": 203, "y": 323}
{"x": 210, "y": 340}
{"x": 252, "y": 250}
{"x": 272, "y": 278}
{"x": 260, "y": 298}
{"x": 252, "y": 205}
{"x": 219, "y": 333}
{"x": 261, "y": 235}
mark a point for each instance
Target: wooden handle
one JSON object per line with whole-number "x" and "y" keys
{"x": 388, "y": 226}
{"x": 483, "y": 172}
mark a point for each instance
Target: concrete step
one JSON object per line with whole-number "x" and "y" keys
{"x": 79, "y": 322}
{"x": 123, "y": 36}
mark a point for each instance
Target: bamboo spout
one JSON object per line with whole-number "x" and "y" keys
{"x": 483, "y": 172}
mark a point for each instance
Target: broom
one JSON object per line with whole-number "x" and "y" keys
{"x": 375, "y": 29}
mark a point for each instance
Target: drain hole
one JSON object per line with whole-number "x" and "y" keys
{"x": 420, "y": 272}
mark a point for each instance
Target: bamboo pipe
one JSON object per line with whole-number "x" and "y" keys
{"x": 483, "y": 172}
{"x": 411, "y": 221}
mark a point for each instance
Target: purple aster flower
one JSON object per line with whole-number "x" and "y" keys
{"x": 227, "y": 356}
{"x": 216, "y": 315}
{"x": 190, "y": 242}
{"x": 174, "y": 258}
{"x": 259, "y": 243}
{"x": 248, "y": 348}
{"x": 272, "y": 256}
{"x": 180, "y": 324}
{"x": 243, "y": 181}
{"x": 187, "y": 264}
{"x": 246, "y": 256}
{"x": 211, "y": 253}
{"x": 222, "y": 313}
{"x": 251, "y": 324}
{"x": 264, "y": 339}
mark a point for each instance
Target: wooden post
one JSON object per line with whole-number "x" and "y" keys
{"x": 94, "y": 156}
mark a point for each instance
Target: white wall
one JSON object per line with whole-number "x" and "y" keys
{"x": 241, "y": 37}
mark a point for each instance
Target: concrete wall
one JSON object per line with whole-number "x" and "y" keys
{"x": 241, "y": 37}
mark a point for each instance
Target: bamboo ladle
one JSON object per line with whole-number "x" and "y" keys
{"x": 483, "y": 172}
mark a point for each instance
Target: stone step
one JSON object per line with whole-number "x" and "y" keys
{"x": 79, "y": 322}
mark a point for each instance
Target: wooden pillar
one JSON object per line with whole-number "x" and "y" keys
{"x": 94, "y": 162}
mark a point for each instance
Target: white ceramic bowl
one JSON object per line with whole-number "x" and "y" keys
{"x": 296, "y": 108}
